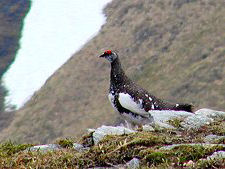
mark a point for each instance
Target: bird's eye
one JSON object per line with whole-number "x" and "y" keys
{"x": 108, "y": 52}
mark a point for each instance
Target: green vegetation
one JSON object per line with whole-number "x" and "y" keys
{"x": 8, "y": 149}
{"x": 217, "y": 128}
{"x": 176, "y": 123}
{"x": 112, "y": 151}
{"x": 174, "y": 49}
{"x": 66, "y": 143}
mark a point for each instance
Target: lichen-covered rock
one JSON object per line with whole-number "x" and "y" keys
{"x": 102, "y": 131}
{"x": 133, "y": 164}
{"x": 165, "y": 120}
{"x": 44, "y": 148}
{"x": 201, "y": 118}
{"x": 195, "y": 120}
{"x": 211, "y": 113}
{"x": 148, "y": 128}
{"x": 166, "y": 115}
{"x": 217, "y": 155}
{"x": 213, "y": 138}
{"x": 162, "y": 118}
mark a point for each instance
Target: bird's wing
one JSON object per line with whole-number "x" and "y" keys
{"x": 128, "y": 102}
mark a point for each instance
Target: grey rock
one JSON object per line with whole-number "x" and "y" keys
{"x": 213, "y": 138}
{"x": 80, "y": 147}
{"x": 162, "y": 117}
{"x": 44, "y": 148}
{"x": 165, "y": 115}
{"x": 211, "y": 113}
{"x": 206, "y": 145}
{"x": 217, "y": 155}
{"x": 201, "y": 118}
{"x": 196, "y": 121}
{"x": 133, "y": 164}
{"x": 102, "y": 131}
{"x": 162, "y": 125}
{"x": 148, "y": 128}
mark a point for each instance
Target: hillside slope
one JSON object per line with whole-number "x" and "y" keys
{"x": 12, "y": 14}
{"x": 174, "y": 48}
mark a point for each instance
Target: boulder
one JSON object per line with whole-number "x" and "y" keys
{"x": 102, "y": 131}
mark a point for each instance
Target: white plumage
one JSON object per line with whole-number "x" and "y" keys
{"x": 127, "y": 102}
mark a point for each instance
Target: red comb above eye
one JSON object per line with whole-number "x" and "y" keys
{"x": 108, "y": 52}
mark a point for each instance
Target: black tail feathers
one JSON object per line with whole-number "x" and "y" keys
{"x": 185, "y": 107}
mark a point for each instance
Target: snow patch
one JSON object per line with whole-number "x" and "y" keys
{"x": 53, "y": 31}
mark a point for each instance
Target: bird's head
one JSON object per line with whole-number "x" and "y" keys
{"x": 109, "y": 55}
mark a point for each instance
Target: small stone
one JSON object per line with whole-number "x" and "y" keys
{"x": 148, "y": 128}
{"x": 133, "y": 164}
{"x": 44, "y": 148}
{"x": 217, "y": 155}
{"x": 109, "y": 130}
{"x": 213, "y": 138}
{"x": 80, "y": 147}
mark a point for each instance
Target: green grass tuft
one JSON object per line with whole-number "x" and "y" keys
{"x": 9, "y": 148}
{"x": 66, "y": 143}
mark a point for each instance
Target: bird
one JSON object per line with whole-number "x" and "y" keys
{"x": 133, "y": 102}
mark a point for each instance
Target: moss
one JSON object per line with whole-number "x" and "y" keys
{"x": 187, "y": 152}
{"x": 217, "y": 128}
{"x": 9, "y": 148}
{"x": 87, "y": 140}
{"x": 175, "y": 122}
{"x": 66, "y": 143}
{"x": 157, "y": 158}
{"x": 193, "y": 152}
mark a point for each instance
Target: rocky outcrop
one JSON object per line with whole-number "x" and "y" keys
{"x": 176, "y": 140}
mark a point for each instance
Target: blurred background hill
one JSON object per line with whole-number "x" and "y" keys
{"x": 12, "y": 14}
{"x": 173, "y": 48}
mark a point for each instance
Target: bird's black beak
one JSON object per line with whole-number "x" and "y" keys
{"x": 103, "y": 55}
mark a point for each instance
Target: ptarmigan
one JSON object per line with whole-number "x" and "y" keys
{"x": 133, "y": 102}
